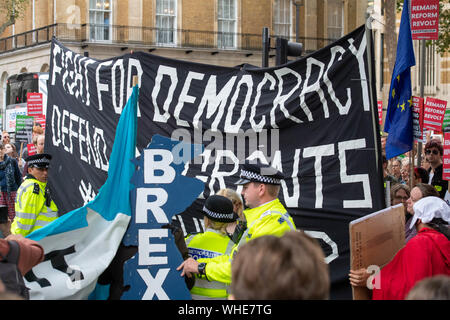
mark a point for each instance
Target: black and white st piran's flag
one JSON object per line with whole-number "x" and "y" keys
{"x": 313, "y": 119}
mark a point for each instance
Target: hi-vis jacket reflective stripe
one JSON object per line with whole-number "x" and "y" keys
{"x": 210, "y": 244}
{"x": 31, "y": 211}
{"x": 268, "y": 219}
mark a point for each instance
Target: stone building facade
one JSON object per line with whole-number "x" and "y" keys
{"x": 219, "y": 32}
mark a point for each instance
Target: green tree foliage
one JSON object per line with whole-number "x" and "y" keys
{"x": 10, "y": 11}
{"x": 443, "y": 43}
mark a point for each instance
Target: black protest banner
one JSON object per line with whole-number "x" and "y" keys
{"x": 314, "y": 119}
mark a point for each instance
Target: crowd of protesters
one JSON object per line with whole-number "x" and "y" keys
{"x": 268, "y": 258}
{"x": 398, "y": 170}
{"x": 421, "y": 269}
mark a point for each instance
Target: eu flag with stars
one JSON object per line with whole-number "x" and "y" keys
{"x": 398, "y": 121}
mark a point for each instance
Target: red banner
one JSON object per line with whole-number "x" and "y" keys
{"x": 380, "y": 111}
{"x": 433, "y": 115}
{"x": 446, "y": 158}
{"x": 425, "y": 19}
{"x": 34, "y": 104}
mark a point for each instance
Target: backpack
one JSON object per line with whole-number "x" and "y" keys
{"x": 10, "y": 274}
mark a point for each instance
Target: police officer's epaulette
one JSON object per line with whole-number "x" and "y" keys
{"x": 193, "y": 233}
{"x": 36, "y": 188}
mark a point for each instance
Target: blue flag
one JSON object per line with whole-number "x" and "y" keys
{"x": 398, "y": 121}
{"x": 161, "y": 192}
{"x": 80, "y": 245}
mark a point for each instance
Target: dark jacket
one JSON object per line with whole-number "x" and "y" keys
{"x": 437, "y": 182}
{"x": 10, "y": 177}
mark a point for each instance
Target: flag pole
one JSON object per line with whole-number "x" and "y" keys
{"x": 422, "y": 92}
{"x": 135, "y": 80}
{"x": 373, "y": 98}
{"x": 419, "y": 144}
{"x": 422, "y": 89}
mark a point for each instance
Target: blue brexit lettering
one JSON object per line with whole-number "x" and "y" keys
{"x": 160, "y": 192}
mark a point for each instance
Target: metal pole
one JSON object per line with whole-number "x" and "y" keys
{"x": 265, "y": 47}
{"x": 297, "y": 22}
{"x": 411, "y": 169}
{"x": 422, "y": 91}
{"x": 373, "y": 101}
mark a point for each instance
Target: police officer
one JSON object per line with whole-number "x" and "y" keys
{"x": 265, "y": 216}
{"x": 218, "y": 211}
{"x": 34, "y": 206}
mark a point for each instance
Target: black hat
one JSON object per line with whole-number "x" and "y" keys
{"x": 40, "y": 160}
{"x": 259, "y": 172}
{"x": 220, "y": 209}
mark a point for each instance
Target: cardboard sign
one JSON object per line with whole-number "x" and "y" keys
{"x": 417, "y": 113}
{"x": 34, "y": 104}
{"x": 380, "y": 111}
{"x": 374, "y": 241}
{"x": 446, "y": 158}
{"x": 24, "y": 128}
{"x": 425, "y": 19}
{"x": 433, "y": 115}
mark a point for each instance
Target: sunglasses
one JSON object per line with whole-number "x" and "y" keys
{"x": 435, "y": 152}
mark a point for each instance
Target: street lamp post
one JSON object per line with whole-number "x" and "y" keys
{"x": 297, "y": 4}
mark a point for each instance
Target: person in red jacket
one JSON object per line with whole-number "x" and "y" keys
{"x": 425, "y": 255}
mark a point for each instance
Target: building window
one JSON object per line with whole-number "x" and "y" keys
{"x": 226, "y": 19}
{"x": 282, "y": 18}
{"x": 100, "y": 19}
{"x": 166, "y": 13}
{"x": 335, "y": 12}
{"x": 430, "y": 68}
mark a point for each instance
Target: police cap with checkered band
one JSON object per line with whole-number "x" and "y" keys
{"x": 220, "y": 209}
{"x": 259, "y": 172}
{"x": 40, "y": 160}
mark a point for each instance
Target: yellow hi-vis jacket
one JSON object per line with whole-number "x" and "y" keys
{"x": 32, "y": 212}
{"x": 212, "y": 243}
{"x": 268, "y": 219}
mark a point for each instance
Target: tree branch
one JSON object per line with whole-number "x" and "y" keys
{"x": 6, "y": 24}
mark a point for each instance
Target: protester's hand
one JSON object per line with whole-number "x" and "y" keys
{"x": 14, "y": 237}
{"x": 189, "y": 267}
{"x": 5, "y": 228}
{"x": 2, "y": 287}
{"x": 358, "y": 278}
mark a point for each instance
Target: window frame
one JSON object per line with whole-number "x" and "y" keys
{"x": 334, "y": 28}
{"x": 221, "y": 38}
{"x": 94, "y": 25}
{"x": 284, "y": 24}
{"x": 171, "y": 34}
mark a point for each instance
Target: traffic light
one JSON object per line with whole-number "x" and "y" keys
{"x": 285, "y": 48}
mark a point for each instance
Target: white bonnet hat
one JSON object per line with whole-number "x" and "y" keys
{"x": 428, "y": 208}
